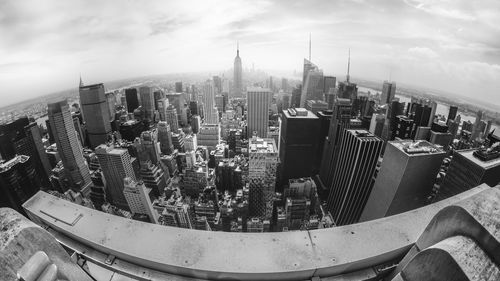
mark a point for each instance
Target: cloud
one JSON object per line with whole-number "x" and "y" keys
{"x": 49, "y": 43}
{"x": 423, "y": 52}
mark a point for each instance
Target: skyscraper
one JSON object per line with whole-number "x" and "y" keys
{"x": 132, "y": 100}
{"x": 22, "y": 137}
{"x": 340, "y": 119}
{"x": 476, "y": 130}
{"x": 165, "y": 138}
{"x": 210, "y": 112}
{"x": 467, "y": 170}
{"x": 353, "y": 178}
{"x": 68, "y": 147}
{"x": 238, "y": 79}
{"x": 313, "y": 87}
{"x": 137, "y": 196}
{"x": 298, "y": 143}
{"x": 18, "y": 182}
{"x": 147, "y": 101}
{"x": 258, "y": 100}
{"x": 172, "y": 118}
{"x": 116, "y": 165}
{"x": 452, "y": 113}
{"x": 262, "y": 164}
{"x": 405, "y": 179}
{"x": 95, "y": 113}
{"x": 388, "y": 92}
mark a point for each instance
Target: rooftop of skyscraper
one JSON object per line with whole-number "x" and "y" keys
{"x": 469, "y": 154}
{"x": 299, "y": 113}
{"x": 419, "y": 147}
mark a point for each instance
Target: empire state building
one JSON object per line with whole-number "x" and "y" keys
{"x": 238, "y": 85}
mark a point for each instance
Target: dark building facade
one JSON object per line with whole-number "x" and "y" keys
{"x": 300, "y": 133}
{"x": 353, "y": 178}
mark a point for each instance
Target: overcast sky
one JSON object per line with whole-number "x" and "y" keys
{"x": 449, "y": 45}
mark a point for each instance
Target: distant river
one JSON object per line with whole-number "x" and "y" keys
{"x": 441, "y": 109}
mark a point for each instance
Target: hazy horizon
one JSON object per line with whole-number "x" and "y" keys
{"x": 451, "y": 46}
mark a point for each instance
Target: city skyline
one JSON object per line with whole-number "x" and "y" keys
{"x": 448, "y": 46}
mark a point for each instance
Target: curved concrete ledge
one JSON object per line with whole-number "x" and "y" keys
{"x": 242, "y": 256}
{"x": 478, "y": 219}
{"x": 456, "y": 258}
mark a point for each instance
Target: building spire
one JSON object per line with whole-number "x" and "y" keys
{"x": 238, "y": 48}
{"x": 309, "y": 46}
{"x": 81, "y": 82}
{"x": 348, "y": 65}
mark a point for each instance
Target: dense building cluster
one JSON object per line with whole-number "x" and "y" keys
{"x": 246, "y": 155}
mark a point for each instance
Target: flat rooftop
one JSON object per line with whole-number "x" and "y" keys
{"x": 484, "y": 164}
{"x": 309, "y": 114}
{"x": 257, "y": 89}
{"x": 419, "y": 147}
{"x": 260, "y": 145}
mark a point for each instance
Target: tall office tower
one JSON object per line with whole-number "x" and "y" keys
{"x": 405, "y": 179}
{"x": 220, "y": 103}
{"x": 149, "y": 148}
{"x": 284, "y": 85}
{"x": 209, "y": 110}
{"x": 97, "y": 190}
{"x": 329, "y": 82}
{"x": 154, "y": 178}
{"x": 238, "y": 79}
{"x": 110, "y": 103}
{"x": 388, "y": 92}
{"x": 190, "y": 142}
{"x": 95, "y": 113}
{"x": 195, "y": 123}
{"x": 40, "y": 159}
{"x": 217, "y": 84}
{"x": 177, "y": 100}
{"x": 452, "y": 114}
{"x": 286, "y": 101}
{"x": 487, "y": 129}
{"x": 172, "y": 118}
{"x": 312, "y": 89}
{"x": 262, "y": 165}
{"x": 353, "y": 179}
{"x": 339, "y": 121}
{"x": 116, "y": 165}
{"x": 296, "y": 93}
{"x": 162, "y": 105}
{"x": 68, "y": 147}
{"x": 193, "y": 107}
{"x": 178, "y": 141}
{"x": 395, "y": 109}
{"x": 137, "y": 196}
{"x": 258, "y": 100}
{"x": 325, "y": 117}
{"x": 470, "y": 168}
{"x": 147, "y": 101}
{"x": 476, "y": 130}
{"x": 132, "y": 99}
{"x": 165, "y": 138}
{"x": 298, "y": 143}
{"x": 158, "y": 95}
{"x": 377, "y": 124}
{"x": 178, "y": 87}
{"x": 22, "y": 137}
{"x": 403, "y": 128}
{"x": 18, "y": 182}
{"x": 308, "y": 66}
